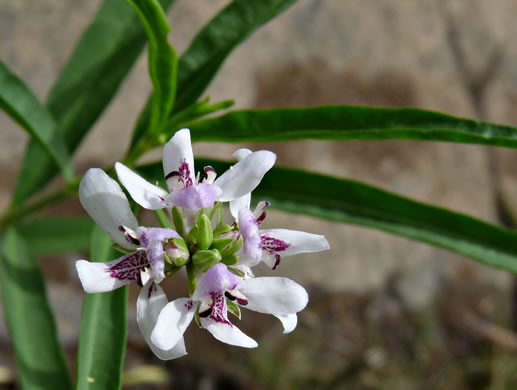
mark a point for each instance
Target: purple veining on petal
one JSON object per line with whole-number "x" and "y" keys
{"x": 219, "y": 310}
{"x": 129, "y": 267}
{"x": 273, "y": 245}
{"x": 189, "y": 305}
{"x": 127, "y": 235}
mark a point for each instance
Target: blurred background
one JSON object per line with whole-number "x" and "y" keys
{"x": 385, "y": 312}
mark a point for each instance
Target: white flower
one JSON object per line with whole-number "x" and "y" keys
{"x": 103, "y": 199}
{"x": 185, "y": 188}
{"x": 268, "y": 245}
{"x": 271, "y": 295}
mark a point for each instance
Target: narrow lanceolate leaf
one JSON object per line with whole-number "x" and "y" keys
{"x": 46, "y": 236}
{"x": 100, "y": 62}
{"x": 102, "y": 341}
{"x": 210, "y": 48}
{"x": 39, "y": 357}
{"x": 20, "y": 104}
{"x": 349, "y": 122}
{"x": 352, "y": 202}
{"x": 163, "y": 62}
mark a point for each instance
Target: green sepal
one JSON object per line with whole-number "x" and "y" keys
{"x": 230, "y": 260}
{"x": 120, "y": 248}
{"x": 222, "y": 229}
{"x": 204, "y": 259}
{"x": 205, "y": 234}
{"x": 236, "y": 271}
{"x": 233, "y": 308}
{"x": 214, "y": 210}
{"x": 236, "y": 246}
{"x": 197, "y": 319}
{"x": 177, "y": 218}
{"x": 192, "y": 281}
{"x": 167, "y": 258}
{"x": 222, "y": 242}
{"x": 192, "y": 234}
{"x": 220, "y": 215}
{"x": 199, "y": 214}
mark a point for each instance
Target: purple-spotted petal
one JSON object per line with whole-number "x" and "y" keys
{"x": 102, "y": 277}
{"x": 217, "y": 279}
{"x": 228, "y": 333}
{"x": 289, "y": 321}
{"x": 150, "y": 302}
{"x": 272, "y": 295}
{"x": 196, "y": 197}
{"x": 172, "y": 322}
{"x": 178, "y": 157}
{"x": 249, "y": 229}
{"x": 147, "y": 235}
{"x": 244, "y": 176}
{"x": 106, "y": 203}
{"x": 297, "y": 242}
{"x": 238, "y": 204}
{"x": 144, "y": 193}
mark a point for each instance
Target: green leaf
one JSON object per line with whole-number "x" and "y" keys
{"x": 163, "y": 62}
{"x": 100, "y": 62}
{"x": 352, "y": 202}
{"x": 23, "y": 106}
{"x": 39, "y": 356}
{"x": 210, "y": 48}
{"x": 349, "y": 122}
{"x": 57, "y": 234}
{"x": 102, "y": 341}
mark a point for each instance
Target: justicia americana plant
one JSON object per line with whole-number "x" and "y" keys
{"x": 214, "y": 253}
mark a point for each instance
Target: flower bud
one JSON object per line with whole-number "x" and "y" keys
{"x": 205, "y": 235}
{"x": 177, "y": 218}
{"x": 222, "y": 229}
{"x": 234, "y": 247}
{"x": 176, "y": 252}
{"x": 230, "y": 260}
{"x": 204, "y": 259}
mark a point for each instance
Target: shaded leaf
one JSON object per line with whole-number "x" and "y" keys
{"x": 39, "y": 356}
{"x": 18, "y": 101}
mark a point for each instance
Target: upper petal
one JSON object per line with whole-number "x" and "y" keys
{"x": 196, "y": 197}
{"x": 106, "y": 203}
{"x": 228, "y": 333}
{"x": 215, "y": 280}
{"x": 297, "y": 241}
{"x": 238, "y": 204}
{"x": 178, "y": 157}
{"x": 242, "y": 153}
{"x": 144, "y": 193}
{"x": 102, "y": 277}
{"x": 244, "y": 176}
{"x": 172, "y": 322}
{"x": 150, "y": 302}
{"x": 249, "y": 229}
{"x": 274, "y": 295}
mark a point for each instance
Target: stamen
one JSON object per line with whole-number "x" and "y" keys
{"x": 129, "y": 235}
{"x": 210, "y": 175}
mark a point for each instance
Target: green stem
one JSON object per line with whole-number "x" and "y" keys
{"x": 192, "y": 281}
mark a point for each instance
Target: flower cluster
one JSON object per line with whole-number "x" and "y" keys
{"x": 218, "y": 257}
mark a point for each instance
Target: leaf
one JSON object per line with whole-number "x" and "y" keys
{"x": 349, "y": 122}
{"x": 100, "y": 62}
{"x": 352, "y": 202}
{"x": 39, "y": 356}
{"x": 210, "y": 48}
{"x": 102, "y": 341}
{"x": 163, "y": 62}
{"x": 57, "y": 234}
{"x": 23, "y": 106}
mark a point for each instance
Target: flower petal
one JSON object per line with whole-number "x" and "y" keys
{"x": 102, "y": 277}
{"x": 228, "y": 333}
{"x": 157, "y": 261}
{"x": 150, "y": 302}
{"x": 289, "y": 321}
{"x": 242, "y": 153}
{"x": 238, "y": 204}
{"x": 272, "y": 295}
{"x": 172, "y": 322}
{"x": 144, "y": 193}
{"x": 148, "y": 235}
{"x": 106, "y": 203}
{"x": 178, "y": 157}
{"x": 215, "y": 280}
{"x": 298, "y": 242}
{"x": 196, "y": 197}
{"x": 249, "y": 229}
{"x": 244, "y": 176}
